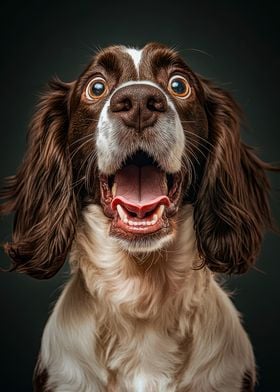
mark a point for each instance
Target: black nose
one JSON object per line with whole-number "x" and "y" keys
{"x": 139, "y": 105}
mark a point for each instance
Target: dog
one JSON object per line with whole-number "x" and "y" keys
{"x": 136, "y": 171}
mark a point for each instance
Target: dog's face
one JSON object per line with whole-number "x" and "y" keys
{"x": 141, "y": 113}
{"x": 141, "y": 135}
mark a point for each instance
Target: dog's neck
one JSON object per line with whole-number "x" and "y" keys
{"x": 140, "y": 286}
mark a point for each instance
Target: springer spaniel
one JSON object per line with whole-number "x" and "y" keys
{"x": 136, "y": 170}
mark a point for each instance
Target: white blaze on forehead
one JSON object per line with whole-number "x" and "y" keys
{"x": 136, "y": 55}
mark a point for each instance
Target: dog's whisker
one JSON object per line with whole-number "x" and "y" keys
{"x": 200, "y": 144}
{"x": 85, "y": 162}
{"x": 91, "y": 159}
{"x": 91, "y": 119}
{"x": 203, "y": 139}
{"x": 196, "y": 147}
{"x": 75, "y": 151}
{"x": 78, "y": 182}
{"x": 188, "y": 121}
{"x": 81, "y": 138}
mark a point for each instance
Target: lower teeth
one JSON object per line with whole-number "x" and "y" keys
{"x": 138, "y": 224}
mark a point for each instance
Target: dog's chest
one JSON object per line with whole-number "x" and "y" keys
{"x": 145, "y": 363}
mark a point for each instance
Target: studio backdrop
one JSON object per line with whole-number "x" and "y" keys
{"x": 234, "y": 43}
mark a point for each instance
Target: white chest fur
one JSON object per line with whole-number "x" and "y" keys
{"x": 112, "y": 331}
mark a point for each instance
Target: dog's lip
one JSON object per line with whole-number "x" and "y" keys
{"x": 139, "y": 209}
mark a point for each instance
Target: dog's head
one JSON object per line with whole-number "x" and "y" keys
{"x": 140, "y": 134}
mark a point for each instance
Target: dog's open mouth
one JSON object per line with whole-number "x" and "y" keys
{"x": 140, "y": 196}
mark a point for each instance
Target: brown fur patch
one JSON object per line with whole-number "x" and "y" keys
{"x": 247, "y": 383}
{"x": 112, "y": 382}
{"x": 40, "y": 379}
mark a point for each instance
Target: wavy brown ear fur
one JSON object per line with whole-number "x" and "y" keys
{"x": 41, "y": 193}
{"x": 232, "y": 207}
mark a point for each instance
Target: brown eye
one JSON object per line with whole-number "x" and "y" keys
{"x": 179, "y": 87}
{"x": 96, "y": 89}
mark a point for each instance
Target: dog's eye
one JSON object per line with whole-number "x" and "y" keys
{"x": 96, "y": 89}
{"x": 179, "y": 87}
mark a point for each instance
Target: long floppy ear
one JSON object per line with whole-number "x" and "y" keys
{"x": 41, "y": 193}
{"x": 232, "y": 206}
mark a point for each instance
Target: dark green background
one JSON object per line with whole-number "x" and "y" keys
{"x": 234, "y": 43}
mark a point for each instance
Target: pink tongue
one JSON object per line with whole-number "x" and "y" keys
{"x": 140, "y": 189}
